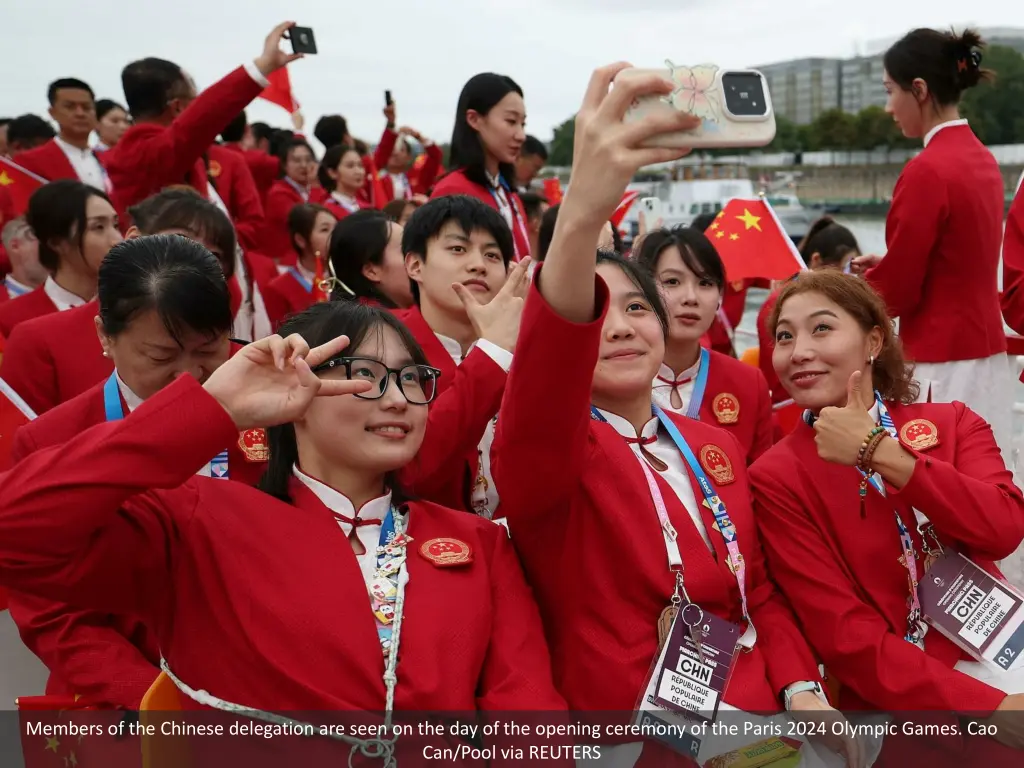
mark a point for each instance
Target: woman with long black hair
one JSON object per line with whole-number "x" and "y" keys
{"x": 366, "y": 261}
{"x": 490, "y": 128}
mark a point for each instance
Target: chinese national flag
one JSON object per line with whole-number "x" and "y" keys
{"x": 19, "y": 183}
{"x": 626, "y": 203}
{"x": 752, "y": 243}
{"x": 553, "y": 191}
{"x": 280, "y": 91}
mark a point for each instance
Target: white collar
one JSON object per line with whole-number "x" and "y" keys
{"x": 19, "y": 287}
{"x": 666, "y": 374}
{"x": 100, "y": 147}
{"x": 71, "y": 149}
{"x": 375, "y": 509}
{"x": 624, "y": 428}
{"x": 948, "y": 124}
{"x": 62, "y": 297}
{"x": 304, "y": 272}
{"x": 347, "y": 202}
{"x": 495, "y": 181}
{"x": 453, "y": 348}
{"x": 132, "y": 400}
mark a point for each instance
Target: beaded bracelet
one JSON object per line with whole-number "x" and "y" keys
{"x": 872, "y": 435}
{"x": 867, "y": 450}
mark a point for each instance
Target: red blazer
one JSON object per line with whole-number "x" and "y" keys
{"x": 233, "y": 181}
{"x": 339, "y": 211}
{"x": 456, "y": 183}
{"x": 54, "y": 358}
{"x": 733, "y": 303}
{"x": 737, "y": 390}
{"x": 7, "y": 213}
{"x": 264, "y": 168}
{"x": 187, "y": 561}
{"x": 49, "y": 161}
{"x": 276, "y": 241}
{"x": 943, "y": 235}
{"x": 284, "y": 296}
{"x": 1012, "y": 299}
{"x": 150, "y": 157}
{"x": 468, "y": 398}
{"x": 766, "y": 347}
{"x": 419, "y": 181}
{"x": 583, "y": 522}
{"x": 841, "y": 571}
{"x": 262, "y": 271}
{"x": 107, "y": 658}
{"x": 33, "y": 304}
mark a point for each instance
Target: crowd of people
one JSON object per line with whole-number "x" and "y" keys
{"x": 397, "y": 439}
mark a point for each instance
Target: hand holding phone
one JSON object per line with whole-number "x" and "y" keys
{"x": 273, "y": 58}
{"x": 302, "y": 40}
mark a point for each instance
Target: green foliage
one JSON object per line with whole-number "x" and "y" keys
{"x": 560, "y": 152}
{"x": 996, "y": 109}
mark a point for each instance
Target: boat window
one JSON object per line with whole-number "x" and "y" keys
{"x": 694, "y": 209}
{"x": 705, "y": 208}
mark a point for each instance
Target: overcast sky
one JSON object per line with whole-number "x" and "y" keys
{"x": 425, "y": 50}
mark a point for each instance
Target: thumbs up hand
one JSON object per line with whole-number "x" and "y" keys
{"x": 839, "y": 432}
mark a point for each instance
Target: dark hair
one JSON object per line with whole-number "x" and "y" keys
{"x": 332, "y": 157}
{"x": 892, "y": 375}
{"x": 642, "y": 278}
{"x": 949, "y": 63}
{"x": 235, "y": 130}
{"x": 395, "y": 208}
{"x": 261, "y": 131}
{"x": 103, "y": 106}
{"x": 469, "y": 213}
{"x": 28, "y": 129}
{"x": 172, "y": 275}
{"x": 186, "y": 211}
{"x": 331, "y": 130}
{"x": 56, "y": 211}
{"x": 357, "y": 240}
{"x": 69, "y": 83}
{"x": 279, "y": 139}
{"x": 696, "y": 251}
{"x": 831, "y": 241}
{"x": 319, "y": 324}
{"x": 301, "y": 220}
{"x": 4, "y": 121}
{"x": 480, "y": 94}
{"x": 532, "y": 203}
{"x": 703, "y": 220}
{"x": 149, "y": 84}
{"x": 295, "y": 142}
{"x": 534, "y": 146}
{"x": 547, "y": 232}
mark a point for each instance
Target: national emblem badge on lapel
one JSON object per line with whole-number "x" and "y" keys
{"x": 253, "y": 444}
{"x": 716, "y": 463}
{"x": 726, "y": 408}
{"x": 214, "y": 169}
{"x": 446, "y": 553}
{"x": 919, "y": 434}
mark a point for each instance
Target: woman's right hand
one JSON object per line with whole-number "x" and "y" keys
{"x": 271, "y": 382}
{"x": 1008, "y": 720}
{"x": 861, "y": 264}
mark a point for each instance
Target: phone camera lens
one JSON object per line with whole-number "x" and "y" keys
{"x": 744, "y": 94}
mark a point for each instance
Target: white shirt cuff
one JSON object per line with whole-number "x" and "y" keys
{"x": 253, "y": 72}
{"x": 501, "y": 356}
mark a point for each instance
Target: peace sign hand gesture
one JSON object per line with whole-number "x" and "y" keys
{"x": 839, "y": 432}
{"x": 498, "y": 320}
{"x": 271, "y": 382}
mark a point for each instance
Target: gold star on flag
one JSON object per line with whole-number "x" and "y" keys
{"x": 734, "y": 236}
{"x": 52, "y": 744}
{"x": 5, "y": 180}
{"x": 719, "y": 234}
{"x": 73, "y": 760}
{"x": 714, "y": 224}
{"x": 750, "y": 220}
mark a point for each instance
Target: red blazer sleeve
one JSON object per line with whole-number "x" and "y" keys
{"x": 28, "y": 368}
{"x": 244, "y": 203}
{"x": 766, "y": 348}
{"x": 764, "y": 431}
{"x": 1012, "y": 298}
{"x": 455, "y": 424}
{"x": 276, "y": 304}
{"x": 850, "y": 636}
{"x": 919, "y": 206}
{"x": 95, "y": 661}
{"x": 385, "y": 147}
{"x": 974, "y": 501}
{"x": 276, "y": 240}
{"x": 169, "y": 155}
{"x": 542, "y": 437}
{"x": 429, "y": 170}
{"x": 81, "y": 523}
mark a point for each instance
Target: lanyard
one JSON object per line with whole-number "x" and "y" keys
{"x": 303, "y": 192}
{"x": 714, "y": 502}
{"x": 700, "y": 383}
{"x": 387, "y": 595}
{"x": 351, "y": 204}
{"x": 514, "y": 214}
{"x": 15, "y": 290}
{"x": 301, "y": 279}
{"x": 114, "y": 411}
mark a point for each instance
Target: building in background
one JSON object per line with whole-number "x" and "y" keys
{"x": 801, "y": 89}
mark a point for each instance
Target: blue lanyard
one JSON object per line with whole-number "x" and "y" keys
{"x": 15, "y": 290}
{"x": 699, "y": 385}
{"x": 307, "y": 284}
{"x": 114, "y": 411}
{"x": 389, "y": 597}
{"x": 885, "y": 421}
{"x": 513, "y": 209}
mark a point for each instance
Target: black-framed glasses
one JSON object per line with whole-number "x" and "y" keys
{"x": 417, "y": 382}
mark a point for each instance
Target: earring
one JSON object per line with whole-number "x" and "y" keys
{"x": 871, "y": 360}
{"x": 105, "y": 353}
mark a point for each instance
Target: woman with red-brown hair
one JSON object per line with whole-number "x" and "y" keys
{"x": 872, "y": 492}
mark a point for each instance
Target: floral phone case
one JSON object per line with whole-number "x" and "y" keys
{"x": 699, "y": 91}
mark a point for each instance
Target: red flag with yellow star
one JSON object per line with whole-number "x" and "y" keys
{"x": 19, "y": 183}
{"x": 752, "y": 242}
{"x": 553, "y": 191}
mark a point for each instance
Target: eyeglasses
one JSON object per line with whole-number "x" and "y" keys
{"x": 418, "y": 383}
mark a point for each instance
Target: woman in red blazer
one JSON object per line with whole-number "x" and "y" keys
{"x": 151, "y": 337}
{"x": 295, "y": 289}
{"x": 831, "y": 538}
{"x": 298, "y": 172}
{"x": 944, "y": 231}
{"x": 588, "y": 478}
{"x": 341, "y": 175}
{"x": 489, "y": 132}
{"x": 367, "y": 263}
{"x": 694, "y": 381}
{"x": 351, "y": 557}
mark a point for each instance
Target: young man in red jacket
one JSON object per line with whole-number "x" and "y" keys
{"x": 167, "y": 142}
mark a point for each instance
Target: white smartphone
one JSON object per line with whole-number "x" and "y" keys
{"x": 652, "y": 210}
{"x": 734, "y": 106}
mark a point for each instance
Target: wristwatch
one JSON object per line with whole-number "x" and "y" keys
{"x": 804, "y": 687}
